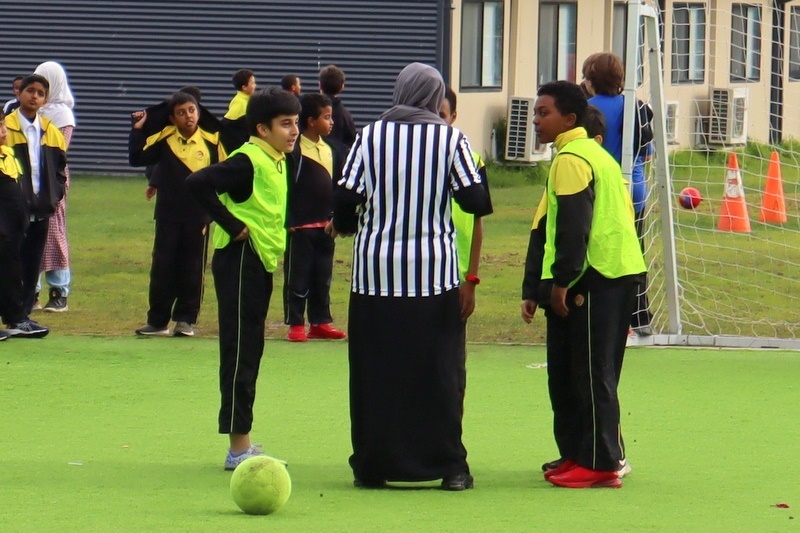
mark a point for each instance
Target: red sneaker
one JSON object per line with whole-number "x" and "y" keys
{"x": 325, "y": 331}
{"x": 297, "y": 334}
{"x": 582, "y": 478}
{"x": 566, "y": 466}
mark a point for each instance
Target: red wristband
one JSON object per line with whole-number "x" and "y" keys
{"x": 473, "y": 279}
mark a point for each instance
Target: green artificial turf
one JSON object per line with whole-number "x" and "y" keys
{"x": 119, "y": 435}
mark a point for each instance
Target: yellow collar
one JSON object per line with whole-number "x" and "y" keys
{"x": 568, "y": 136}
{"x": 276, "y": 155}
{"x": 196, "y": 137}
{"x": 308, "y": 143}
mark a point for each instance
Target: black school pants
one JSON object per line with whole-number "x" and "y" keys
{"x": 31, "y": 254}
{"x": 308, "y": 268}
{"x": 584, "y": 361}
{"x": 11, "y": 306}
{"x": 176, "y": 275}
{"x": 243, "y": 289}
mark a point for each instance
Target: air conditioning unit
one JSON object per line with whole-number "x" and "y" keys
{"x": 727, "y": 122}
{"x": 672, "y": 122}
{"x": 521, "y": 143}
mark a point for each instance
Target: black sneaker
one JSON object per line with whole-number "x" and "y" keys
{"x": 183, "y": 329}
{"x": 458, "y": 482}
{"x": 28, "y": 329}
{"x": 147, "y": 329}
{"x": 57, "y": 302}
{"x": 553, "y": 464}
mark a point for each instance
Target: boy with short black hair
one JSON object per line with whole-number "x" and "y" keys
{"x": 13, "y": 224}
{"x": 176, "y": 146}
{"x": 308, "y": 262}
{"x": 291, "y": 83}
{"x": 234, "y": 121}
{"x": 331, "y": 84}
{"x": 12, "y": 104}
{"x": 587, "y": 293}
{"x": 40, "y": 148}
{"x": 595, "y": 123}
{"x": 246, "y": 196}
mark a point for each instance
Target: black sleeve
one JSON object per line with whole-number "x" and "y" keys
{"x": 573, "y": 222}
{"x": 233, "y": 133}
{"x": 233, "y": 176}
{"x": 474, "y": 200}
{"x": 533, "y": 286}
{"x": 485, "y": 181}
{"x": 138, "y": 156}
{"x": 345, "y": 204}
{"x": 61, "y": 172}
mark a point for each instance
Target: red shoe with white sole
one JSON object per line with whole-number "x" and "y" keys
{"x": 584, "y": 478}
{"x": 325, "y": 331}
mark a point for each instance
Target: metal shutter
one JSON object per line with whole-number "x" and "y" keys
{"x": 125, "y": 55}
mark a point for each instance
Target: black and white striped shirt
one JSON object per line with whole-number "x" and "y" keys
{"x": 403, "y": 176}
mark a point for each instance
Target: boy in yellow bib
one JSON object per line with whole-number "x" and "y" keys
{"x": 582, "y": 266}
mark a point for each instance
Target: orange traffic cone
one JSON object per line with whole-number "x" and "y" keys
{"x": 773, "y": 204}
{"x": 733, "y": 216}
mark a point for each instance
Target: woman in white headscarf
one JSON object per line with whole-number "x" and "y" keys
{"x": 407, "y": 372}
{"x": 55, "y": 261}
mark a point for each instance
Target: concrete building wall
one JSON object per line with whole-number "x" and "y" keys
{"x": 479, "y": 110}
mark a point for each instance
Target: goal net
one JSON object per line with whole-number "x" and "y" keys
{"x": 720, "y": 80}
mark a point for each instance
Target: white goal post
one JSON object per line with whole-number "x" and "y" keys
{"x": 709, "y": 283}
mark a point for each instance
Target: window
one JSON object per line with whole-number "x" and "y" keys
{"x": 481, "y": 45}
{"x": 794, "y": 44}
{"x": 745, "y": 43}
{"x": 619, "y": 43}
{"x": 558, "y": 31}
{"x": 689, "y": 43}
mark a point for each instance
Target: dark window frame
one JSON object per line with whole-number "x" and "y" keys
{"x": 476, "y": 84}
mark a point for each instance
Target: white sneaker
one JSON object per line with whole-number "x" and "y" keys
{"x": 624, "y": 468}
{"x": 232, "y": 461}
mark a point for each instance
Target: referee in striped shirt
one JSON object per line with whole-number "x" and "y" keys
{"x": 407, "y": 372}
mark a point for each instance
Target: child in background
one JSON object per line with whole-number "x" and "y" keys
{"x": 234, "y": 121}
{"x": 308, "y": 262}
{"x": 40, "y": 149}
{"x": 13, "y": 223}
{"x": 179, "y": 148}
{"x": 604, "y": 80}
{"x": 55, "y": 263}
{"x": 291, "y": 83}
{"x": 331, "y": 84}
{"x": 246, "y": 196}
{"x": 12, "y": 104}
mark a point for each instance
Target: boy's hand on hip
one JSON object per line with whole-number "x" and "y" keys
{"x": 330, "y": 230}
{"x": 558, "y": 301}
